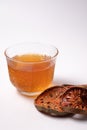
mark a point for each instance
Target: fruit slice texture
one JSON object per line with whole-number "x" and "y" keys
{"x": 49, "y": 101}
{"x": 74, "y": 100}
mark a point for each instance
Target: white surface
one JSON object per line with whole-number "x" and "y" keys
{"x": 62, "y": 23}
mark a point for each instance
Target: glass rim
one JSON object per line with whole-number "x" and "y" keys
{"x": 14, "y": 60}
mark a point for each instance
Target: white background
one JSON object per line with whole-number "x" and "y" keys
{"x": 62, "y": 23}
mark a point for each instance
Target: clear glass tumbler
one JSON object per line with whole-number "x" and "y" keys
{"x": 31, "y": 66}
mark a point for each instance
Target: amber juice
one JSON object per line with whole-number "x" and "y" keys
{"x": 31, "y": 72}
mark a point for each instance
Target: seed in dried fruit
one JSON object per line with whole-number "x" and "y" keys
{"x": 49, "y": 101}
{"x": 74, "y": 100}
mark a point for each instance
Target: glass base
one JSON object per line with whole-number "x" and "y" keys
{"x": 31, "y": 94}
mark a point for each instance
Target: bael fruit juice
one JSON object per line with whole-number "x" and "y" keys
{"x": 31, "y": 72}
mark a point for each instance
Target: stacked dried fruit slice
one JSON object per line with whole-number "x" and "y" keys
{"x": 49, "y": 100}
{"x": 63, "y": 100}
{"x": 74, "y": 100}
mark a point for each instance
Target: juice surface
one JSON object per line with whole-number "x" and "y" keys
{"x": 31, "y": 72}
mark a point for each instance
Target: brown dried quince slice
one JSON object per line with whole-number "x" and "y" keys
{"x": 74, "y": 100}
{"x": 49, "y": 101}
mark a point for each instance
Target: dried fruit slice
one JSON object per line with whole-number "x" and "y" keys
{"x": 49, "y": 101}
{"x": 74, "y": 100}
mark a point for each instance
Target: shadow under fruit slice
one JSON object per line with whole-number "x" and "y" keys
{"x": 49, "y": 101}
{"x": 74, "y": 100}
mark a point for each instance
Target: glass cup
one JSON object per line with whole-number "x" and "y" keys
{"x": 31, "y": 66}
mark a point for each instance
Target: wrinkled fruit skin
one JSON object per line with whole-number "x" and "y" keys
{"x": 51, "y": 112}
{"x": 49, "y": 101}
{"x": 74, "y": 100}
